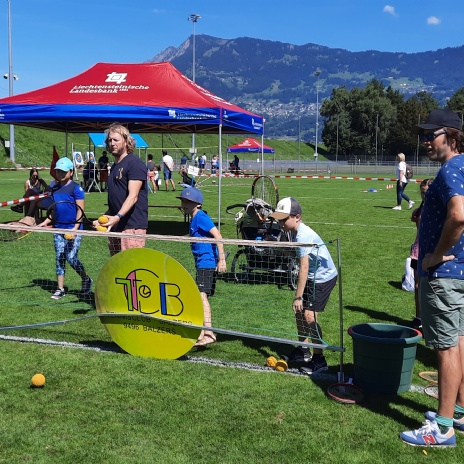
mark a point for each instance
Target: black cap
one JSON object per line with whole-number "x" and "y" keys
{"x": 441, "y": 118}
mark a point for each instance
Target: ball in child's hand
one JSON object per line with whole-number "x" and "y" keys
{"x": 103, "y": 219}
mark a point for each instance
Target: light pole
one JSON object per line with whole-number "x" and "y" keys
{"x": 376, "y": 140}
{"x": 193, "y": 18}
{"x": 11, "y": 78}
{"x": 317, "y": 74}
{"x": 299, "y": 140}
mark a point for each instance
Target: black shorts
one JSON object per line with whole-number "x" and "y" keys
{"x": 206, "y": 281}
{"x": 316, "y": 296}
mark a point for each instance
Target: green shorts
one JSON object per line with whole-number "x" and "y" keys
{"x": 442, "y": 310}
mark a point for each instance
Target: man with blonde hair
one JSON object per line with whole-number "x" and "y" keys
{"x": 127, "y": 191}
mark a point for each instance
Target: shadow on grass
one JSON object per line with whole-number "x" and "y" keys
{"x": 395, "y": 284}
{"x": 385, "y": 405}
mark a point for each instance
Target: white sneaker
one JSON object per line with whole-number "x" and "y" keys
{"x": 398, "y": 208}
{"x": 411, "y": 204}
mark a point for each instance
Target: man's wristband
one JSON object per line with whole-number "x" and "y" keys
{"x": 120, "y": 216}
{"x": 297, "y": 298}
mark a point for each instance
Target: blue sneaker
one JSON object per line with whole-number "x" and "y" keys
{"x": 429, "y": 435}
{"x": 87, "y": 286}
{"x": 458, "y": 424}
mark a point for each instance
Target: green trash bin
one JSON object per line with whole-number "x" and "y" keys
{"x": 384, "y": 356}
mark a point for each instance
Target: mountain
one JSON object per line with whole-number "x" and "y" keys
{"x": 279, "y": 80}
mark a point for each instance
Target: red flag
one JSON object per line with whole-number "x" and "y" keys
{"x": 55, "y": 158}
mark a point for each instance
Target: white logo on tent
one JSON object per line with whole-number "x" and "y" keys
{"x": 116, "y": 77}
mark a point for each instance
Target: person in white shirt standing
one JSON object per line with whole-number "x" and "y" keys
{"x": 168, "y": 167}
{"x": 401, "y": 182}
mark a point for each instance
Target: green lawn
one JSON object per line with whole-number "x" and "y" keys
{"x": 100, "y": 405}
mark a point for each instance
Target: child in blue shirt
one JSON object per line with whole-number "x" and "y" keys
{"x": 209, "y": 257}
{"x": 66, "y": 216}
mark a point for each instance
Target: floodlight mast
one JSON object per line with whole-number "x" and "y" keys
{"x": 193, "y": 18}
{"x": 317, "y": 74}
{"x": 11, "y": 78}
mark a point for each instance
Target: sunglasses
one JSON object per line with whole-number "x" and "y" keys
{"x": 431, "y": 136}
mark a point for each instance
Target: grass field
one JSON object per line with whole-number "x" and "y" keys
{"x": 100, "y": 405}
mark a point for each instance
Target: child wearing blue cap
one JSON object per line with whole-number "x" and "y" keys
{"x": 64, "y": 192}
{"x": 209, "y": 257}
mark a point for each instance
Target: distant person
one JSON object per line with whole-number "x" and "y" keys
{"x": 67, "y": 217}
{"x": 441, "y": 277}
{"x": 103, "y": 170}
{"x": 209, "y": 257}
{"x": 401, "y": 182}
{"x": 183, "y": 162}
{"x": 214, "y": 164}
{"x": 202, "y": 163}
{"x": 317, "y": 276}
{"x": 186, "y": 181}
{"x": 33, "y": 186}
{"x": 151, "y": 168}
{"x": 168, "y": 167}
{"x": 127, "y": 191}
{"x": 236, "y": 164}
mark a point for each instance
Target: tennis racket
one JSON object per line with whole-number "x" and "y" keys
{"x": 265, "y": 196}
{"x": 20, "y": 230}
{"x": 69, "y": 209}
{"x": 432, "y": 390}
{"x": 431, "y": 377}
{"x": 346, "y": 393}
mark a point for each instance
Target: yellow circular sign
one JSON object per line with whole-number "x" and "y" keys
{"x": 141, "y": 283}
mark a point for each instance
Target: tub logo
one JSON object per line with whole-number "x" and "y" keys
{"x": 144, "y": 292}
{"x": 149, "y": 303}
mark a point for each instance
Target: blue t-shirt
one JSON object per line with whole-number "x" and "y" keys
{"x": 205, "y": 254}
{"x": 449, "y": 182}
{"x": 321, "y": 266}
{"x": 131, "y": 167}
{"x": 65, "y": 213}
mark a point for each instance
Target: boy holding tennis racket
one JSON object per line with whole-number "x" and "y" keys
{"x": 317, "y": 277}
{"x": 67, "y": 213}
{"x": 209, "y": 257}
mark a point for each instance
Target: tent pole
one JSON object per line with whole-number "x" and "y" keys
{"x": 220, "y": 177}
{"x": 262, "y": 153}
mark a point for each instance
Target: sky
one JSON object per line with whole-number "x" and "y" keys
{"x": 53, "y": 40}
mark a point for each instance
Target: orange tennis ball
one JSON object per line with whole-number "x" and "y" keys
{"x": 281, "y": 365}
{"x": 38, "y": 380}
{"x": 102, "y": 228}
{"x": 103, "y": 219}
{"x": 271, "y": 361}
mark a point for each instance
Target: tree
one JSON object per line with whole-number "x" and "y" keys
{"x": 456, "y": 102}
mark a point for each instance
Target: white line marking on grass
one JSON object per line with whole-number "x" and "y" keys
{"x": 380, "y": 226}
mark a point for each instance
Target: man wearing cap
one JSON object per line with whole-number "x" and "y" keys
{"x": 441, "y": 271}
{"x": 317, "y": 277}
{"x": 127, "y": 191}
{"x": 209, "y": 257}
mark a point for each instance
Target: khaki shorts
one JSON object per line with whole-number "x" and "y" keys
{"x": 442, "y": 310}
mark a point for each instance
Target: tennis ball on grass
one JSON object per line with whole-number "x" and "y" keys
{"x": 271, "y": 361}
{"x": 38, "y": 380}
{"x": 68, "y": 236}
{"x": 103, "y": 219}
{"x": 281, "y": 365}
{"x": 102, "y": 228}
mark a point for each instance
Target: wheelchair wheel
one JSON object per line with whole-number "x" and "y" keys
{"x": 240, "y": 267}
{"x": 292, "y": 273}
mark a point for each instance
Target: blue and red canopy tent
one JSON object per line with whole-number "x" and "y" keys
{"x": 147, "y": 98}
